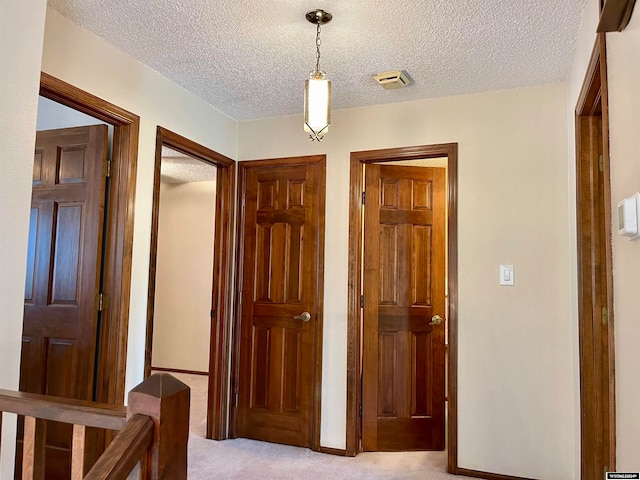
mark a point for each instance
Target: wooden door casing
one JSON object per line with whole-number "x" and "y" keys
{"x": 281, "y": 277}
{"x": 63, "y": 274}
{"x": 403, "y": 393}
{"x": 595, "y": 271}
{"x": 220, "y": 340}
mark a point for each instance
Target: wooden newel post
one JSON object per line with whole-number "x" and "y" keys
{"x": 166, "y": 400}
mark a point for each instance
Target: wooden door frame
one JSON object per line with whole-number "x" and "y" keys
{"x": 243, "y": 167}
{"x": 119, "y": 234}
{"x": 594, "y": 90}
{"x": 356, "y": 224}
{"x": 220, "y": 337}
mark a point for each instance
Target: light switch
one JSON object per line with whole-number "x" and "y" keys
{"x": 506, "y": 275}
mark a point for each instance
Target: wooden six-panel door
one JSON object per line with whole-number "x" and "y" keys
{"x": 63, "y": 274}
{"x": 281, "y": 280}
{"x": 404, "y": 271}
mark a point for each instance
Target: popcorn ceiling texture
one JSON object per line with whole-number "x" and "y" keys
{"x": 179, "y": 168}
{"x": 249, "y": 59}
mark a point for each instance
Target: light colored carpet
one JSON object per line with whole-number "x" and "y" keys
{"x": 250, "y": 459}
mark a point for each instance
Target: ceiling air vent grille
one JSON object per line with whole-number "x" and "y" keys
{"x": 392, "y": 80}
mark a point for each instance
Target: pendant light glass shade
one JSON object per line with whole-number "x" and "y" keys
{"x": 317, "y": 105}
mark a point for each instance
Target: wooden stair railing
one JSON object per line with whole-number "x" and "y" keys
{"x": 153, "y": 430}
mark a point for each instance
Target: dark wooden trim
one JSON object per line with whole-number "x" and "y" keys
{"x": 594, "y": 93}
{"x": 119, "y": 234}
{"x": 333, "y": 451}
{"x": 219, "y": 368}
{"x": 241, "y": 183}
{"x": 486, "y": 475}
{"x": 193, "y": 149}
{"x": 354, "y": 314}
{"x": 153, "y": 255}
{"x": 317, "y": 371}
{"x": 235, "y": 355}
{"x": 179, "y": 370}
{"x": 452, "y": 340}
{"x": 608, "y": 225}
{"x": 221, "y": 285}
{"x": 358, "y": 161}
{"x": 615, "y": 15}
{"x": 65, "y": 410}
{"x": 126, "y": 450}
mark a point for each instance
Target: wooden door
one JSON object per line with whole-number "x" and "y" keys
{"x": 403, "y": 392}
{"x": 63, "y": 274}
{"x": 281, "y": 279}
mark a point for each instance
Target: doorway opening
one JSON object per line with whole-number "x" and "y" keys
{"x": 189, "y": 275}
{"x": 79, "y": 257}
{"x": 66, "y": 252}
{"x": 118, "y": 235}
{"x": 184, "y": 265}
{"x": 595, "y": 273}
{"x": 357, "y": 287}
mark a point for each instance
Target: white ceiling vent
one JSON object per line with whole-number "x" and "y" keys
{"x": 391, "y": 80}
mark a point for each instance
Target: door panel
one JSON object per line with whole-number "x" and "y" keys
{"x": 404, "y": 271}
{"x": 281, "y": 279}
{"x": 62, "y": 282}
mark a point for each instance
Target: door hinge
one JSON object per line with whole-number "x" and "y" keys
{"x": 605, "y": 316}
{"x": 108, "y": 174}
{"x": 364, "y": 197}
{"x": 601, "y": 163}
{"x": 212, "y": 313}
{"x": 361, "y": 301}
{"x": 236, "y": 400}
{"x": 244, "y": 198}
{"x": 360, "y": 410}
{"x": 100, "y": 301}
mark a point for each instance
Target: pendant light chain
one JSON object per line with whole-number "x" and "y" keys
{"x": 318, "y": 43}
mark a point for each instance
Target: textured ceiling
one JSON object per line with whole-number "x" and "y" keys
{"x": 179, "y": 168}
{"x": 249, "y": 58}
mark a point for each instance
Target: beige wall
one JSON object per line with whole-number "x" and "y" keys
{"x": 52, "y": 114}
{"x": 516, "y": 389}
{"x": 184, "y": 269}
{"x": 623, "y": 56}
{"x": 21, "y": 31}
{"x": 86, "y": 61}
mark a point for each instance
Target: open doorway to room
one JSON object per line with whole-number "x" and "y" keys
{"x": 189, "y": 271}
{"x": 66, "y": 253}
{"x": 78, "y": 259}
{"x": 117, "y": 234}
{"x": 65, "y": 256}
{"x": 402, "y": 322}
{"x": 184, "y": 266}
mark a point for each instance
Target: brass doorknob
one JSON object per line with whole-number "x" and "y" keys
{"x": 436, "y": 320}
{"x": 305, "y": 317}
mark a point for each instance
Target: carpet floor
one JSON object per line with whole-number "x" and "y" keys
{"x": 250, "y": 459}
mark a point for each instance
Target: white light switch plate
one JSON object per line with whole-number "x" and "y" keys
{"x": 506, "y": 275}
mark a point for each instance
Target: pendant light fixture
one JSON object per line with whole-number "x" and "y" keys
{"x": 317, "y": 89}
